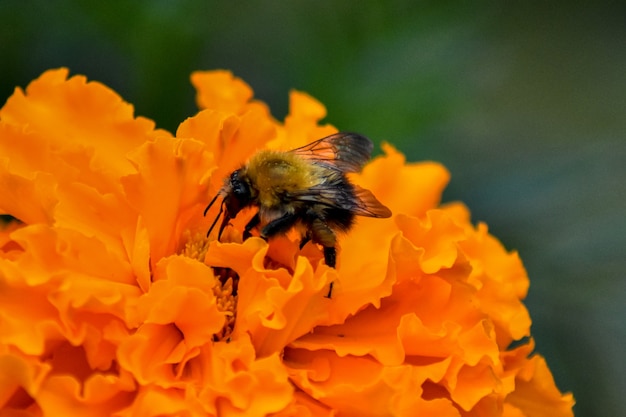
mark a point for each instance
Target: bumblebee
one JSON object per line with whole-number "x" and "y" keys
{"x": 305, "y": 188}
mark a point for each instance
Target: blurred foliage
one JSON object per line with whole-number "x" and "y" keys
{"x": 524, "y": 103}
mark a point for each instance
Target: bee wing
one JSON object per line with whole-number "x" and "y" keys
{"x": 362, "y": 202}
{"x": 368, "y": 205}
{"x": 346, "y": 152}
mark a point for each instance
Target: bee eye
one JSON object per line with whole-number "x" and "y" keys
{"x": 239, "y": 188}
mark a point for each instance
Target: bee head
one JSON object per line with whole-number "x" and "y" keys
{"x": 236, "y": 194}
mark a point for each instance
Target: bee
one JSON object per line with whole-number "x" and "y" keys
{"x": 305, "y": 188}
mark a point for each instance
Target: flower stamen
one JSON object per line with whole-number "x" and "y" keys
{"x": 225, "y": 291}
{"x": 225, "y": 288}
{"x": 196, "y": 246}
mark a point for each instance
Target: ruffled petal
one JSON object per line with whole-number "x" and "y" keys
{"x": 21, "y": 380}
{"x": 155, "y": 401}
{"x": 221, "y": 90}
{"x": 274, "y": 306}
{"x": 76, "y": 117}
{"x": 99, "y": 396}
{"x": 410, "y": 189}
{"x": 167, "y": 191}
{"x": 362, "y": 386}
{"x": 182, "y": 294}
{"x": 302, "y": 123}
{"x": 19, "y": 192}
{"x": 536, "y": 394}
{"x": 231, "y": 138}
{"x": 502, "y": 283}
{"x": 234, "y": 383}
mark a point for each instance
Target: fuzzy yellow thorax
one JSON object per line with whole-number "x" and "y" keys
{"x": 275, "y": 173}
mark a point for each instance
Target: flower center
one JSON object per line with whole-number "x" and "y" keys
{"x": 225, "y": 291}
{"x": 225, "y": 288}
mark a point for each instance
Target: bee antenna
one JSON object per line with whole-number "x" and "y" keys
{"x": 210, "y": 204}
{"x": 216, "y": 217}
{"x": 225, "y": 223}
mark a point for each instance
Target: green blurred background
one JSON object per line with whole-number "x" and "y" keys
{"x": 524, "y": 103}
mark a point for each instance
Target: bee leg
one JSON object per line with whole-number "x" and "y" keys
{"x": 330, "y": 257}
{"x": 305, "y": 239}
{"x": 279, "y": 225}
{"x": 330, "y": 289}
{"x": 254, "y": 221}
{"x": 326, "y": 237}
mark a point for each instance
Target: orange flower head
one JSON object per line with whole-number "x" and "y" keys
{"x": 114, "y": 302}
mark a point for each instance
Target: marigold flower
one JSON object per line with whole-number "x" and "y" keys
{"x": 113, "y": 302}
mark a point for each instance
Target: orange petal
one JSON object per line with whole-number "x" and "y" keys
{"x": 234, "y": 383}
{"x": 27, "y": 318}
{"x": 304, "y": 107}
{"x": 502, "y": 282}
{"x": 60, "y": 298}
{"x": 155, "y": 401}
{"x": 375, "y": 332}
{"x": 150, "y": 353}
{"x": 220, "y": 90}
{"x": 406, "y": 324}
{"x": 468, "y": 385}
{"x": 237, "y": 256}
{"x": 231, "y": 138}
{"x": 137, "y": 245}
{"x": 274, "y": 306}
{"x": 361, "y": 386}
{"x": 435, "y": 238}
{"x": 102, "y": 395}
{"x": 74, "y": 115}
{"x": 179, "y": 314}
{"x": 8, "y": 247}
{"x": 536, "y": 394}
{"x": 29, "y": 151}
{"x": 364, "y": 280}
{"x": 301, "y": 124}
{"x": 182, "y": 294}
{"x": 102, "y": 216}
{"x": 30, "y": 200}
{"x": 303, "y": 405}
{"x": 167, "y": 191}
{"x": 81, "y": 305}
{"x": 20, "y": 380}
{"x": 405, "y": 188}
{"x": 275, "y": 315}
